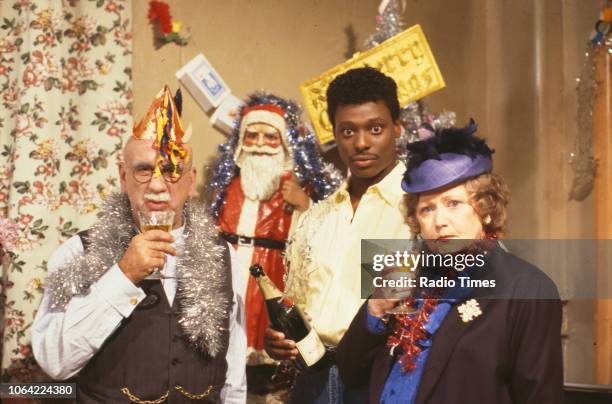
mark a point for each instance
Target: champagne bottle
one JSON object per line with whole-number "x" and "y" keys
{"x": 286, "y": 317}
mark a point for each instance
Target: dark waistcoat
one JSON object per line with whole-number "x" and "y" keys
{"x": 148, "y": 356}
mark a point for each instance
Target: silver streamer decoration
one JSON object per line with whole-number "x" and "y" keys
{"x": 415, "y": 114}
{"x": 582, "y": 157}
{"x": 388, "y": 24}
{"x": 203, "y": 285}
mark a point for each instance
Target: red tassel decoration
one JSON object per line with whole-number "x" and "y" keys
{"x": 160, "y": 11}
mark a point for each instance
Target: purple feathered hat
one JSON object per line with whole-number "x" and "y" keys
{"x": 450, "y": 156}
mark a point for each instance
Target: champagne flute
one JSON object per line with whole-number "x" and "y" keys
{"x": 402, "y": 294}
{"x": 403, "y": 307}
{"x": 156, "y": 220}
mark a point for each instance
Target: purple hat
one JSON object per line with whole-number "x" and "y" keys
{"x": 451, "y": 156}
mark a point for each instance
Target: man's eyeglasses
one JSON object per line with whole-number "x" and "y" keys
{"x": 144, "y": 174}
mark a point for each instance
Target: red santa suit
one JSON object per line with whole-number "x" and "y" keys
{"x": 260, "y": 221}
{"x": 258, "y": 229}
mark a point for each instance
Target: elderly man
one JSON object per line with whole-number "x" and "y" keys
{"x": 127, "y": 338}
{"x": 262, "y": 182}
{"x": 324, "y": 259}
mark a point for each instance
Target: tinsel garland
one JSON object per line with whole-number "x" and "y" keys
{"x": 416, "y": 114}
{"x": 409, "y": 330}
{"x": 203, "y": 293}
{"x": 582, "y": 157}
{"x": 388, "y": 24}
{"x": 308, "y": 165}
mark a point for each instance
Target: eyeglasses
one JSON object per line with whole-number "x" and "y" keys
{"x": 144, "y": 174}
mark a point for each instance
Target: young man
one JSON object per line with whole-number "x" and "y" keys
{"x": 323, "y": 255}
{"x": 130, "y": 339}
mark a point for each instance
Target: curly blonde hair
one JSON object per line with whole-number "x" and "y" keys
{"x": 489, "y": 196}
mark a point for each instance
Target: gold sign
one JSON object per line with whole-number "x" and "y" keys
{"x": 406, "y": 58}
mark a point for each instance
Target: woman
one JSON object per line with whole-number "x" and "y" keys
{"x": 459, "y": 344}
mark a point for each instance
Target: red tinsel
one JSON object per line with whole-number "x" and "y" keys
{"x": 160, "y": 11}
{"x": 408, "y": 330}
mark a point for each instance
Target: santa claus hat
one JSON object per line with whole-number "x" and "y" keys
{"x": 269, "y": 114}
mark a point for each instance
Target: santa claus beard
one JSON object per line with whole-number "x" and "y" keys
{"x": 260, "y": 174}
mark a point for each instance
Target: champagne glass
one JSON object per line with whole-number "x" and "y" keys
{"x": 156, "y": 220}
{"x": 402, "y": 294}
{"x": 403, "y": 307}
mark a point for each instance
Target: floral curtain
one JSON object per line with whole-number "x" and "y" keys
{"x": 65, "y": 79}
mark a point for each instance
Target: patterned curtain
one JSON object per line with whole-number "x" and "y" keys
{"x": 65, "y": 79}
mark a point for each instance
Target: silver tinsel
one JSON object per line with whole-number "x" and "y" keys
{"x": 203, "y": 288}
{"x": 389, "y": 24}
{"x": 413, "y": 116}
{"x": 582, "y": 157}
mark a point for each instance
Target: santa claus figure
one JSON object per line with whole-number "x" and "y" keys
{"x": 267, "y": 174}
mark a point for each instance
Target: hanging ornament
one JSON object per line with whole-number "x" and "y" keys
{"x": 164, "y": 29}
{"x": 582, "y": 157}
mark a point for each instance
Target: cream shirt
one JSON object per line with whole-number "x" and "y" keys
{"x": 324, "y": 252}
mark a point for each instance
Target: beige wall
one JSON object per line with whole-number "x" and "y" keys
{"x": 509, "y": 64}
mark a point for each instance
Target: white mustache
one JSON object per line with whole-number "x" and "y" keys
{"x": 261, "y": 149}
{"x": 165, "y": 197}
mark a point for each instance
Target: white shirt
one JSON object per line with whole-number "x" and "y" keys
{"x": 63, "y": 342}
